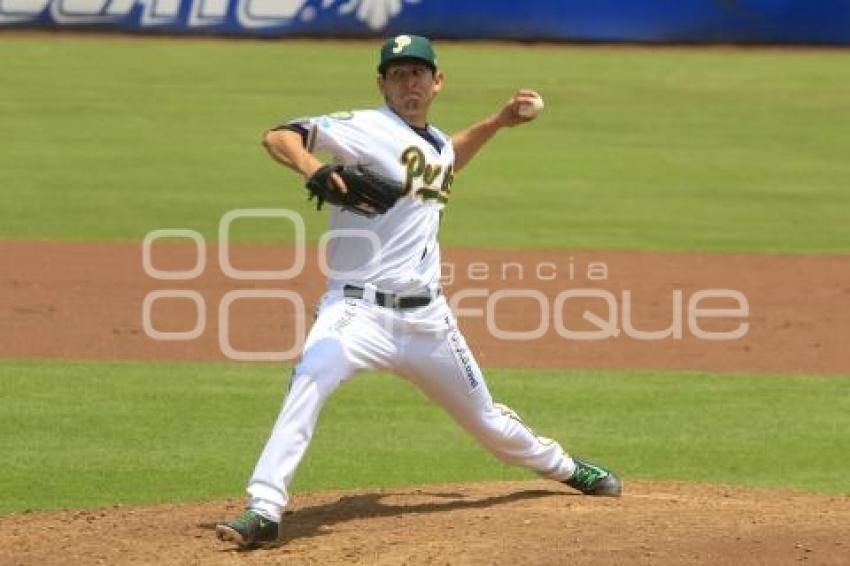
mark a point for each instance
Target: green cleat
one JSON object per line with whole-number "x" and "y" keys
{"x": 251, "y": 530}
{"x": 591, "y": 479}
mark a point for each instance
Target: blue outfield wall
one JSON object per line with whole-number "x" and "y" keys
{"x": 699, "y": 21}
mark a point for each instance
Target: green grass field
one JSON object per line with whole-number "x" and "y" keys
{"x": 672, "y": 149}
{"x": 675, "y": 149}
{"x": 89, "y": 434}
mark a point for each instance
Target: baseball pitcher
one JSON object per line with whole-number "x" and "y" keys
{"x": 390, "y": 179}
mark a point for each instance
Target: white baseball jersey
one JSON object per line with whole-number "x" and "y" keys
{"x": 421, "y": 344}
{"x": 396, "y": 251}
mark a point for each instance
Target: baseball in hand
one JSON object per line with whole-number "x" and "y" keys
{"x": 532, "y": 107}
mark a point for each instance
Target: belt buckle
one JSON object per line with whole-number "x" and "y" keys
{"x": 387, "y": 299}
{"x": 370, "y": 293}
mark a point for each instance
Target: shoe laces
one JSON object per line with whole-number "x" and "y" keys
{"x": 249, "y": 518}
{"x": 586, "y": 474}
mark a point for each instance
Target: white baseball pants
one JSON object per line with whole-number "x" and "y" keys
{"x": 422, "y": 345}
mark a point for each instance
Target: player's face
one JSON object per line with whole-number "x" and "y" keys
{"x": 409, "y": 88}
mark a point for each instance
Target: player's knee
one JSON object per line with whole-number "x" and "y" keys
{"x": 501, "y": 430}
{"x": 501, "y": 421}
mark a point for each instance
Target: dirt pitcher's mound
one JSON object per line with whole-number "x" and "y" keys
{"x": 494, "y": 523}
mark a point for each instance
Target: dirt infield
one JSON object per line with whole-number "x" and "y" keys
{"x": 85, "y": 301}
{"x": 495, "y": 523}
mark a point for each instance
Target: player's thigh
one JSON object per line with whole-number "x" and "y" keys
{"x": 344, "y": 339}
{"x": 446, "y": 370}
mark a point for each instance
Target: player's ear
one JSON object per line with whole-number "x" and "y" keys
{"x": 439, "y": 80}
{"x": 380, "y": 82}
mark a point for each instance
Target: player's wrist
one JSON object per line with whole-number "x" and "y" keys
{"x": 497, "y": 121}
{"x": 309, "y": 168}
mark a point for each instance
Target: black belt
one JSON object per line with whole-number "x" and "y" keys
{"x": 391, "y": 300}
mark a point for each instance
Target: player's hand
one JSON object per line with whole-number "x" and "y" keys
{"x": 338, "y": 181}
{"x": 509, "y": 115}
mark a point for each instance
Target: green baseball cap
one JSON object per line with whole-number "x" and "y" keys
{"x": 407, "y": 47}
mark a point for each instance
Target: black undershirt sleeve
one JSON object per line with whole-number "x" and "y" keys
{"x": 297, "y": 128}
